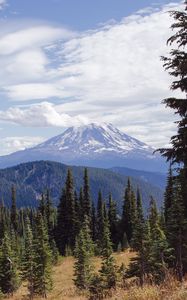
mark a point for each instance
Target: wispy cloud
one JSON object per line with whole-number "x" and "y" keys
{"x": 2, "y": 4}
{"x": 112, "y": 74}
{"x": 15, "y": 143}
{"x": 44, "y": 114}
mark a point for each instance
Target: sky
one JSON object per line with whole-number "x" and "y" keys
{"x": 68, "y": 63}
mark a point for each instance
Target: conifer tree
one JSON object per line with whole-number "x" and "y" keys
{"x": 83, "y": 253}
{"x": 86, "y": 196}
{"x": 9, "y": 280}
{"x": 176, "y": 230}
{"x": 108, "y": 269}
{"x": 93, "y": 223}
{"x": 100, "y": 221}
{"x": 42, "y": 282}
{"x": 168, "y": 196}
{"x": 129, "y": 212}
{"x": 141, "y": 242}
{"x": 28, "y": 259}
{"x": 61, "y": 227}
{"x": 14, "y": 215}
{"x": 112, "y": 218}
{"x": 175, "y": 64}
{"x": 159, "y": 249}
{"x": 70, "y": 210}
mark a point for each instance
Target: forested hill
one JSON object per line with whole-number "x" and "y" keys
{"x": 33, "y": 178}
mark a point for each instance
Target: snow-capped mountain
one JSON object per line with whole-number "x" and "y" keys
{"x": 91, "y": 145}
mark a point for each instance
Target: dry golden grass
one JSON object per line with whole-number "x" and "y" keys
{"x": 64, "y": 288}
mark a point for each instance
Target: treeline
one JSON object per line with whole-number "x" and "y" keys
{"x": 32, "y": 239}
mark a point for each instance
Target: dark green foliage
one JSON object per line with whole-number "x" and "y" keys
{"x": 113, "y": 222}
{"x": 9, "y": 280}
{"x": 160, "y": 252}
{"x": 14, "y": 216}
{"x": 28, "y": 259}
{"x": 33, "y": 178}
{"x": 100, "y": 222}
{"x": 175, "y": 64}
{"x": 42, "y": 282}
{"x": 141, "y": 243}
{"x": 83, "y": 252}
{"x": 176, "y": 229}
{"x": 129, "y": 212}
{"x": 66, "y": 218}
{"x": 86, "y": 196}
{"x": 168, "y": 194}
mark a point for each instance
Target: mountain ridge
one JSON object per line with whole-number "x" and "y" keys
{"x": 91, "y": 145}
{"x": 33, "y": 178}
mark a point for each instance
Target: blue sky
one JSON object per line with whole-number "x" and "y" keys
{"x": 66, "y": 63}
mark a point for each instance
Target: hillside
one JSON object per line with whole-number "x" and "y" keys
{"x": 154, "y": 178}
{"x": 64, "y": 288}
{"x": 31, "y": 179}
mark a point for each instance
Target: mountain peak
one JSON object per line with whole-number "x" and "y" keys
{"x": 95, "y": 138}
{"x": 94, "y": 144}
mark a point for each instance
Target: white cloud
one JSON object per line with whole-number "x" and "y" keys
{"x": 114, "y": 73}
{"x": 2, "y": 4}
{"x": 15, "y": 143}
{"x": 40, "y": 115}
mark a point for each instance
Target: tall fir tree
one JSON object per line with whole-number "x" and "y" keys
{"x": 129, "y": 212}
{"x": 86, "y": 196}
{"x": 83, "y": 252}
{"x": 9, "y": 279}
{"x": 113, "y": 222}
{"x": 141, "y": 243}
{"x": 42, "y": 281}
{"x": 14, "y": 214}
{"x": 28, "y": 259}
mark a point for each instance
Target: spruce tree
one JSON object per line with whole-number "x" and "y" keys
{"x": 86, "y": 196}
{"x": 108, "y": 270}
{"x": 61, "y": 227}
{"x": 42, "y": 282}
{"x": 141, "y": 242}
{"x": 100, "y": 222}
{"x": 129, "y": 212}
{"x": 175, "y": 64}
{"x": 176, "y": 230}
{"x": 83, "y": 253}
{"x": 112, "y": 218}
{"x": 28, "y": 259}
{"x": 9, "y": 279}
{"x": 14, "y": 214}
{"x": 160, "y": 252}
{"x": 168, "y": 196}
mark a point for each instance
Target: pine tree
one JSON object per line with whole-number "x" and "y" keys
{"x": 168, "y": 196}
{"x": 108, "y": 269}
{"x": 176, "y": 66}
{"x": 61, "y": 227}
{"x": 112, "y": 217}
{"x": 83, "y": 253}
{"x": 93, "y": 223}
{"x": 14, "y": 214}
{"x": 66, "y": 218}
{"x": 86, "y": 196}
{"x": 141, "y": 243}
{"x": 70, "y": 213}
{"x": 159, "y": 249}
{"x": 129, "y": 212}
{"x": 100, "y": 222}
{"x": 176, "y": 230}
{"x": 9, "y": 280}
{"x": 42, "y": 282}
{"x": 28, "y": 259}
